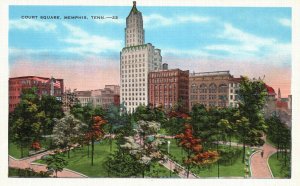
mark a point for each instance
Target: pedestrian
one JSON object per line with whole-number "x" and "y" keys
{"x": 262, "y": 153}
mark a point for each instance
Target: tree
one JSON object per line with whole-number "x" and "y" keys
{"x": 68, "y": 131}
{"x": 144, "y": 146}
{"x": 56, "y": 162}
{"x": 25, "y": 121}
{"x": 95, "y": 133}
{"x": 195, "y": 153}
{"x": 51, "y": 108}
{"x": 253, "y": 95}
{"x": 122, "y": 164}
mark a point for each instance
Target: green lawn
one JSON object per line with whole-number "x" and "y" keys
{"x": 235, "y": 170}
{"x": 276, "y": 166}
{"x": 80, "y": 162}
{"x": 15, "y": 151}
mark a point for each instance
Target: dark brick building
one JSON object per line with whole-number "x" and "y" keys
{"x": 45, "y": 86}
{"x": 168, "y": 88}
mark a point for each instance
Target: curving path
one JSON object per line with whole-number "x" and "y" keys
{"x": 259, "y": 165}
{"x": 27, "y": 163}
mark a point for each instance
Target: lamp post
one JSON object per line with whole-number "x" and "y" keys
{"x": 169, "y": 142}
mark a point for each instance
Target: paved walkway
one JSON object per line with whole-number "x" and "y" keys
{"x": 171, "y": 165}
{"x": 259, "y": 164}
{"x": 27, "y": 163}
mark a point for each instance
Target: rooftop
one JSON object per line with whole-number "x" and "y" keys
{"x": 213, "y": 73}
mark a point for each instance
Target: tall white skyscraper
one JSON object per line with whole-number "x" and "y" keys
{"x": 136, "y": 60}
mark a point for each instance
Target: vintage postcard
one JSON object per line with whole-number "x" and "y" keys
{"x": 153, "y": 90}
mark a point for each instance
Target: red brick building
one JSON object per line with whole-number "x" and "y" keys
{"x": 45, "y": 86}
{"x": 168, "y": 88}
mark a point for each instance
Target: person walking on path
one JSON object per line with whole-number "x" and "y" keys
{"x": 262, "y": 153}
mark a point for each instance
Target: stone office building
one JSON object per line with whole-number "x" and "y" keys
{"x": 168, "y": 88}
{"x": 209, "y": 88}
{"x": 137, "y": 59}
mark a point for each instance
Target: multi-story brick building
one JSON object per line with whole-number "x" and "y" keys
{"x": 137, "y": 59}
{"x": 169, "y": 87}
{"x": 209, "y": 88}
{"x": 44, "y": 85}
{"x": 100, "y": 97}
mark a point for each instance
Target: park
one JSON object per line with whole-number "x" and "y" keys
{"x": 46, "y": 141}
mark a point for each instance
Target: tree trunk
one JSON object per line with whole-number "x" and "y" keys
{"x": 93, "y": 141}
{"x": 56, "y": 173}
{"x": 22, "y": 152}
{"x": 88, "y": 149}
{"x": 110, "y": 148}
{"x": 68, "y": 152}
{"x": 244, "y": 151}
{"x": 188, "y": 171}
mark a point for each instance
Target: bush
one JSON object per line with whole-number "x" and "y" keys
{"x": 27, "y": 173}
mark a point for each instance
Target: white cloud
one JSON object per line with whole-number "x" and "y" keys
{"x": 197, "y": 52}
{"x": 85, "y": 43}
{"x": 245, "y": 44}
{"x": 157, "y": 20}
{"x": 285, "y": 22}
{"x": 26, "y": 24}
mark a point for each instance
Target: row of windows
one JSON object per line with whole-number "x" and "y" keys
{"x": 131, "y": 89}
{"x": 136, "y": 75}
{"x": 132, "y": 85}
{"x": 166, "y": 99}
{"x": 14, "y": 97}
{"x": 132, "y": 71}
{"x": 163, "y": 80}
{"x": 160, "y": 87}
{"x": 132, "y": 80}
{"x": 136, "y": 98}
{"x": 166, "y": 74}
{"x": 132, "y": 66}
{"x": 132, "y": 56}
{"x": 210, "y": 97}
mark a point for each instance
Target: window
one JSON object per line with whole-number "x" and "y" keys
{"x": 203, "y": 88}
{"x": 212, "y": 88}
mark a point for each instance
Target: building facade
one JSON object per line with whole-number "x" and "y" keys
{"x": 210, "y": 89}
{"x": 44, "y": 85}
{"x": 100, "y": 97}
{"x": 137, "y": 59}
{"x": 168, "y": 88}
{"x": 233, "y": 92}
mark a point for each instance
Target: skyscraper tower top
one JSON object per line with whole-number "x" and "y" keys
{"x": 134, "y": 31}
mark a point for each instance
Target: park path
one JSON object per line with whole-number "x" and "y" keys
{"x": 171, "y": 165}
{"x": 27, "y": 163}
{"x": 259, "y": 165}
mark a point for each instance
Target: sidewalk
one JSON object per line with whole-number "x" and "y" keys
{"x": 27, "y": 163}
{"x": 259, "y": 165}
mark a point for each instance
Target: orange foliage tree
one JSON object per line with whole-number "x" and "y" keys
{"x": 95, "y": 133}
{"x": 194, "y": 149}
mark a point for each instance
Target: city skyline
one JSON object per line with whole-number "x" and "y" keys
{"x": 70, "y": 48}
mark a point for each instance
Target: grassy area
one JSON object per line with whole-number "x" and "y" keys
{"x": 234, "y": 170}
{"x": 276, "y": 166}
{"x": 80, "y": 162}
{"x": 15, "y": 151}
